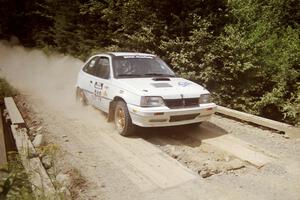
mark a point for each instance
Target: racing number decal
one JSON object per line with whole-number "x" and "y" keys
{"x": 98, "y": 90}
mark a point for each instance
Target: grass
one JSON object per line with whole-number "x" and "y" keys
{"x": 6, "y": 89}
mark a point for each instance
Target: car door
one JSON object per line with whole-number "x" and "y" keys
{"x": 86, "y": 81}
{"x": 101, "y": 83}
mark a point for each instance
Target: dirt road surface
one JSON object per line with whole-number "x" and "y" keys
{"x": 221, "y": 159}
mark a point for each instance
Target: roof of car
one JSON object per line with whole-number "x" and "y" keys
{"x": 130, "y": 54}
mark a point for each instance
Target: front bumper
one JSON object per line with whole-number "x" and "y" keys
{"x": 164, "y": 116}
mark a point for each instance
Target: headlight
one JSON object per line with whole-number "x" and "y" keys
{"x": 152, "y": 101}
{"x": 204, "y": 98}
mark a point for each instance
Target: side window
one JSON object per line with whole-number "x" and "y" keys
{"x": 90, "y": 67}
{"x": 102, "y": 68}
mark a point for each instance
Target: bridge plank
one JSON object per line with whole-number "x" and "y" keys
{"x": 234, "y": 146}
{"x": 240, "y": 149}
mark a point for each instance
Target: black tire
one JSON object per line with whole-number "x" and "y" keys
{"x": 122, "y": 118}
{"x": 80, "y": 97}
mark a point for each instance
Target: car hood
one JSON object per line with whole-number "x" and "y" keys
{"x": 168, "y": 89}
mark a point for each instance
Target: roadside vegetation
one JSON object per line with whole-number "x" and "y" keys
{"x": 245, "y": 52}
{"x": 6, "y": 90}
{"x": 14, "y": 183}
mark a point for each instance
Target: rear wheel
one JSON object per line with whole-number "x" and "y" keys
{"x": 80, "y": 97}
{"x": 123, "y": 120}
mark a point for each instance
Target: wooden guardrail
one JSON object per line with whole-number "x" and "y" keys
{"x": 40, "y": 181}
{"x": 290, "y": 130}
{"x": 14, "y": 113}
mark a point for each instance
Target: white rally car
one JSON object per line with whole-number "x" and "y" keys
{"x": 140, "y": 89}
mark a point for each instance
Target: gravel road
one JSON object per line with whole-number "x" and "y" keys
{"x": 160, "y": 163}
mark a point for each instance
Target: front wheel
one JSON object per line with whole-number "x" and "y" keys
{"x": 123, "y": 120}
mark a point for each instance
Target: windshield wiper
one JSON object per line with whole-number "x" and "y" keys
{"x": 129, "y": 75}
{"x": 158, "y": 74}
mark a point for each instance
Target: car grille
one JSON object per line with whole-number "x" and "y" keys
{"x": 182, "y": 103}
{"x": 178, "y": 118}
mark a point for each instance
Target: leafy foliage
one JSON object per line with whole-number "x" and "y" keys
{"x": 245, "y": 52}
{"x": 14, "y": 182}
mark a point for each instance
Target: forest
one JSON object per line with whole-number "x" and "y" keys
{"x": 246, "y": 52}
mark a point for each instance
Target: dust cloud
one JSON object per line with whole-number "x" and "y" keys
{"x": 34, "y": 71}
{"x": 31, "y": 71}
{"x": 49, "y": 80}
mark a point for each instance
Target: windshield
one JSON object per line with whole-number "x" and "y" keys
{"x": 140, "y": 66}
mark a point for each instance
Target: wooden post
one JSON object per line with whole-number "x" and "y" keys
{"x": 3, "y": 157}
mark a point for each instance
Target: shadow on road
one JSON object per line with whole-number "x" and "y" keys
{"x": 180, "y": 135}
